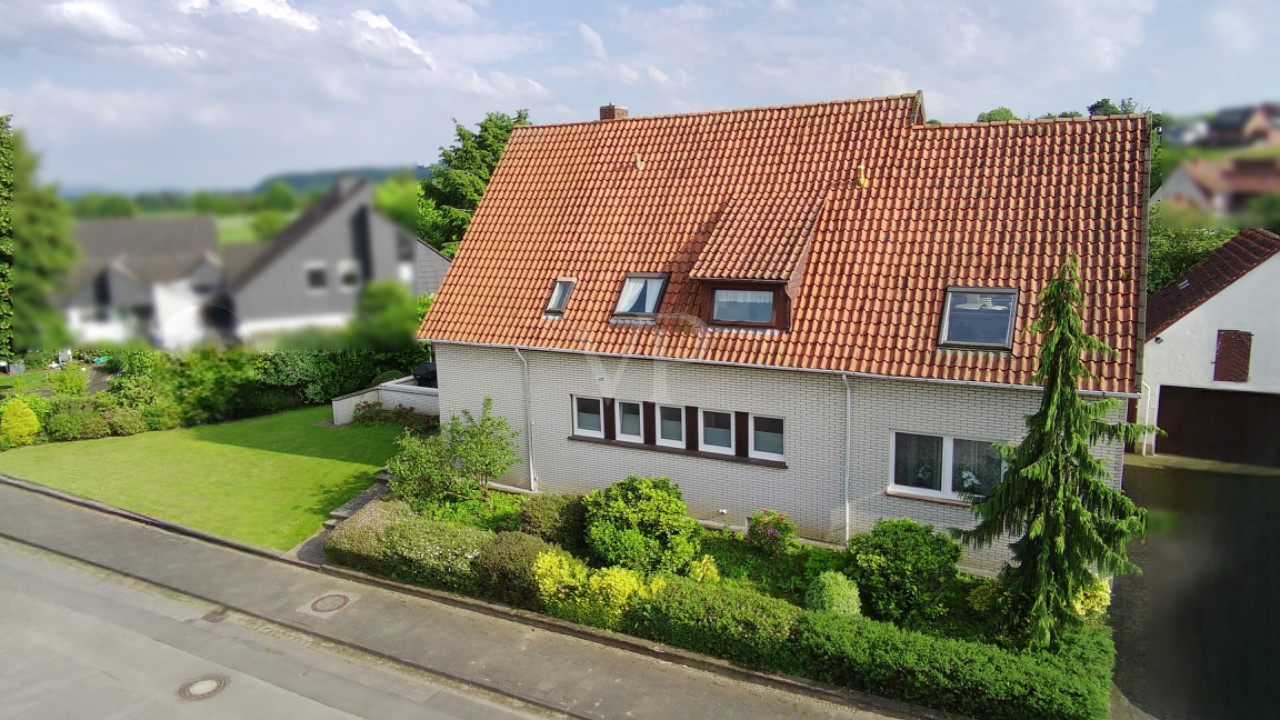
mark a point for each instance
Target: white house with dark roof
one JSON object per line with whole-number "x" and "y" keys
{"x": 816, "y": 309}
{"x": 1212, "y": 360}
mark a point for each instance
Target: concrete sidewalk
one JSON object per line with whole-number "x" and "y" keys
{"x": 554, "y": 670}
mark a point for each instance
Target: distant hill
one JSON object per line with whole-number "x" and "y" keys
{"x": 304, "y": 182}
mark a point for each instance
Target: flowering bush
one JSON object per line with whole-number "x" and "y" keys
{"x": 770, "y": 532}
{"x": 374, "y": 413}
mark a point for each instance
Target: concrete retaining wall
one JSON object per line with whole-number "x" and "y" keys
{"x": 404, "y": 391}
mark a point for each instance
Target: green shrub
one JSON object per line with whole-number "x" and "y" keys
{"x": 435, "y": 554}
{"x": 736, "y": 624}
{"x": 66, "y": 425}
{"x": 164, "y": 415}
{"x": 422, "y": 470}
{"x": 770, "y": 532}
{"x": 19, "y": 424}
{"x": 949, "y": 675}
{"x": 124, "y": 421}
{"x": 835, "y": 592}
{"x": 358, "y": 542}
{"x": 37, "y": 359}
{"x": 640, "y": 523}
{"x": 500, "y": 511}
{"x": 901, "y": 566}
{"x": 558, "y": 519}
{"x": 385, "y": 376}
{"x": 506, "y": 566}
{"x": 1091, "y": 603}
{"x": 94, "y": 427}
{"x": 105, "y": 401}
{"x": 40, "y": 405}
{"x": 705, "y": 570}
{"x": 569, "y": 590}
{"x": 71, "y": 382}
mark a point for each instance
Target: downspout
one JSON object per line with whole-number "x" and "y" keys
{"x": 528, "y": 421}
{"x": 848, "y": 429}
{"x": 1146, "y": 420}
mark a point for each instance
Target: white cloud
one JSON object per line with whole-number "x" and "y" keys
{"x": 377, "y": 36}
{"x": 657, "y": 75}
{"x": 593, "y": 41}
{"x": 1232, "y": 29}
{"x": 96, "y": 18}
{"x": 451, "y": 13}
{"x": 279, "y": 10}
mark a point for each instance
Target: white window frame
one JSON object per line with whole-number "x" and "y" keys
{"x": 617, "y": 425}
{"x": 587, "y": 432}
{"x": 657, "y": 301}
{"x": 341, "y": 270}
{"x": 684, "y": 428}
{"x": 947, "y": 469}
{"x": 762, "y": 454}
{"x": 979, "y": 291}
{"x": 307, "y": 267}
{"x": 702, "y": 432}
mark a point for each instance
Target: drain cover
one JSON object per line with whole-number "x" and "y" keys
{"x": 203, "y": 687}
{"x": 328, "y": 603}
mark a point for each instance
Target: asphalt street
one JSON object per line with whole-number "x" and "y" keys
{"x": 81, "y": 642}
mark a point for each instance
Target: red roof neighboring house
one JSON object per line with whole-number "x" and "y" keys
{"x": 1242, "y": 253}
{"x": 856, "y": 213}
{"x": 1220, "y": 186}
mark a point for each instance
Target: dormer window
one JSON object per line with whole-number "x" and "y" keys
{"x": 560, "y": 296}
{"x": 742, "y": 306}
{"x": 641, "y": 295}
{"x": 979, "y": 317}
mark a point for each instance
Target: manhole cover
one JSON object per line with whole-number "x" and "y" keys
{"x": 203, "y": 687}
{"x": 330, "y": 603}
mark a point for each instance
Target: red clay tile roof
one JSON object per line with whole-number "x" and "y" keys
{"x": 991, "y": 204}
{"x": 1242, "y": 253}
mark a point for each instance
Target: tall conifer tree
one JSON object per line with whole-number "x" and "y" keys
{"x": 1054, "y": 496}
{"x": 6, "y": 239}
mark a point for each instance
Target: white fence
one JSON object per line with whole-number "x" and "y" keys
{"x": 404, "y": 391}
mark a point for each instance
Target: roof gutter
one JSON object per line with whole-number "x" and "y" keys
{"x": 862, "y": 375}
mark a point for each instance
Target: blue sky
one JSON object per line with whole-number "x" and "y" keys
{"x": 141, "y": 94}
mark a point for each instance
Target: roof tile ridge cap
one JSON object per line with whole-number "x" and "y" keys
{"x": 725, "y": 111}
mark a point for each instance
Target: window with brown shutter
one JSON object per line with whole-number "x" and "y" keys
{"x": 1231, "y": 363}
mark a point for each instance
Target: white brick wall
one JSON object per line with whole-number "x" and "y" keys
{"x": 391, "y": 395}
{"x": 810, "y": 489}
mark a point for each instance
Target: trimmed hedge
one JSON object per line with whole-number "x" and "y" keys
{"x": 558, "y": 519}
{"x": 974, "y": 679}
{"x": 642, "y": 523}
{"x": 435, "y": 554}
{"x": 357, "y": 543}
{"x": 739, "y": 625}
{"x": 506, "y": 565}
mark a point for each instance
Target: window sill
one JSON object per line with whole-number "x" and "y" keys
{"x": 894, "y": 492}
{"x": 781, "y": 465}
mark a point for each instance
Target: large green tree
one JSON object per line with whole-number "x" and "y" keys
{"x": 451, "y": 194}
{"x": 399, "y": 197}
{"x": 7, "y": 144}
{"x": 278, "y": 196}
{"x": 1175, "y": 245}
{"x": 1054, "y": 497}
{"x": 997, "y": 115}
{"x": 104, "y": 205}
{"x": 43, "y": 253}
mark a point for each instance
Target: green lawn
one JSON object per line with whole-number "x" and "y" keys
{"x": 268, "y": 481}
{"x": 239, "y": 229}
{"x": 32, "y": 379}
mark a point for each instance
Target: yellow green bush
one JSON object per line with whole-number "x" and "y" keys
{"x": 19, "y": 424}
{"x": 571, "y": 591}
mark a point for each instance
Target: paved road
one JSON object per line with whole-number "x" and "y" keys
{"x": 80, "y": 642}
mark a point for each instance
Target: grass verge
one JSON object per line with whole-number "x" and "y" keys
{"x": 269, "y": 481}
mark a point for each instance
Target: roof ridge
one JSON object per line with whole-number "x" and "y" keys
{"x": 1039, "y": 121}
{"x": 726, "y": 111}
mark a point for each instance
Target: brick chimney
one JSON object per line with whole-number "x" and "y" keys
{"x": 612, "y": 112}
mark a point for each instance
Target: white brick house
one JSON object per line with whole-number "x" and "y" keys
{"x": 813, "y": 309}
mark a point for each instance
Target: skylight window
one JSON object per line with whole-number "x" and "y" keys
{"x": 560, "y": 296}
{"x": 981, "y": 317}
{"x": 641, "y": 295}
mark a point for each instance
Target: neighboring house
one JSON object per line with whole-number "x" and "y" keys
{"x": 1220, "y": 187}
{"x": 311, "y": 274}
{"x": 817, "y": 309}
{"x": 142, "y": 279}
{"x": 1248, "y": 125}
{"x": 1212, "y": 360}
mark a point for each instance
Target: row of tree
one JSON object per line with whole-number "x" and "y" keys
{"x": 279, "y": 196}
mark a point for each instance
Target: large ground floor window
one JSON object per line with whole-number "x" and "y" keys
{"x": 941, "y": 466}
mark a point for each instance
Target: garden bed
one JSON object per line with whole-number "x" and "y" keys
{"x": 737, "y": 603}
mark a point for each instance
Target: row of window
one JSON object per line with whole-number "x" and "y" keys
{"x": 689, "y": 428}
{"x": 350, "y": 277}
{"x": 978, "y": 317}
